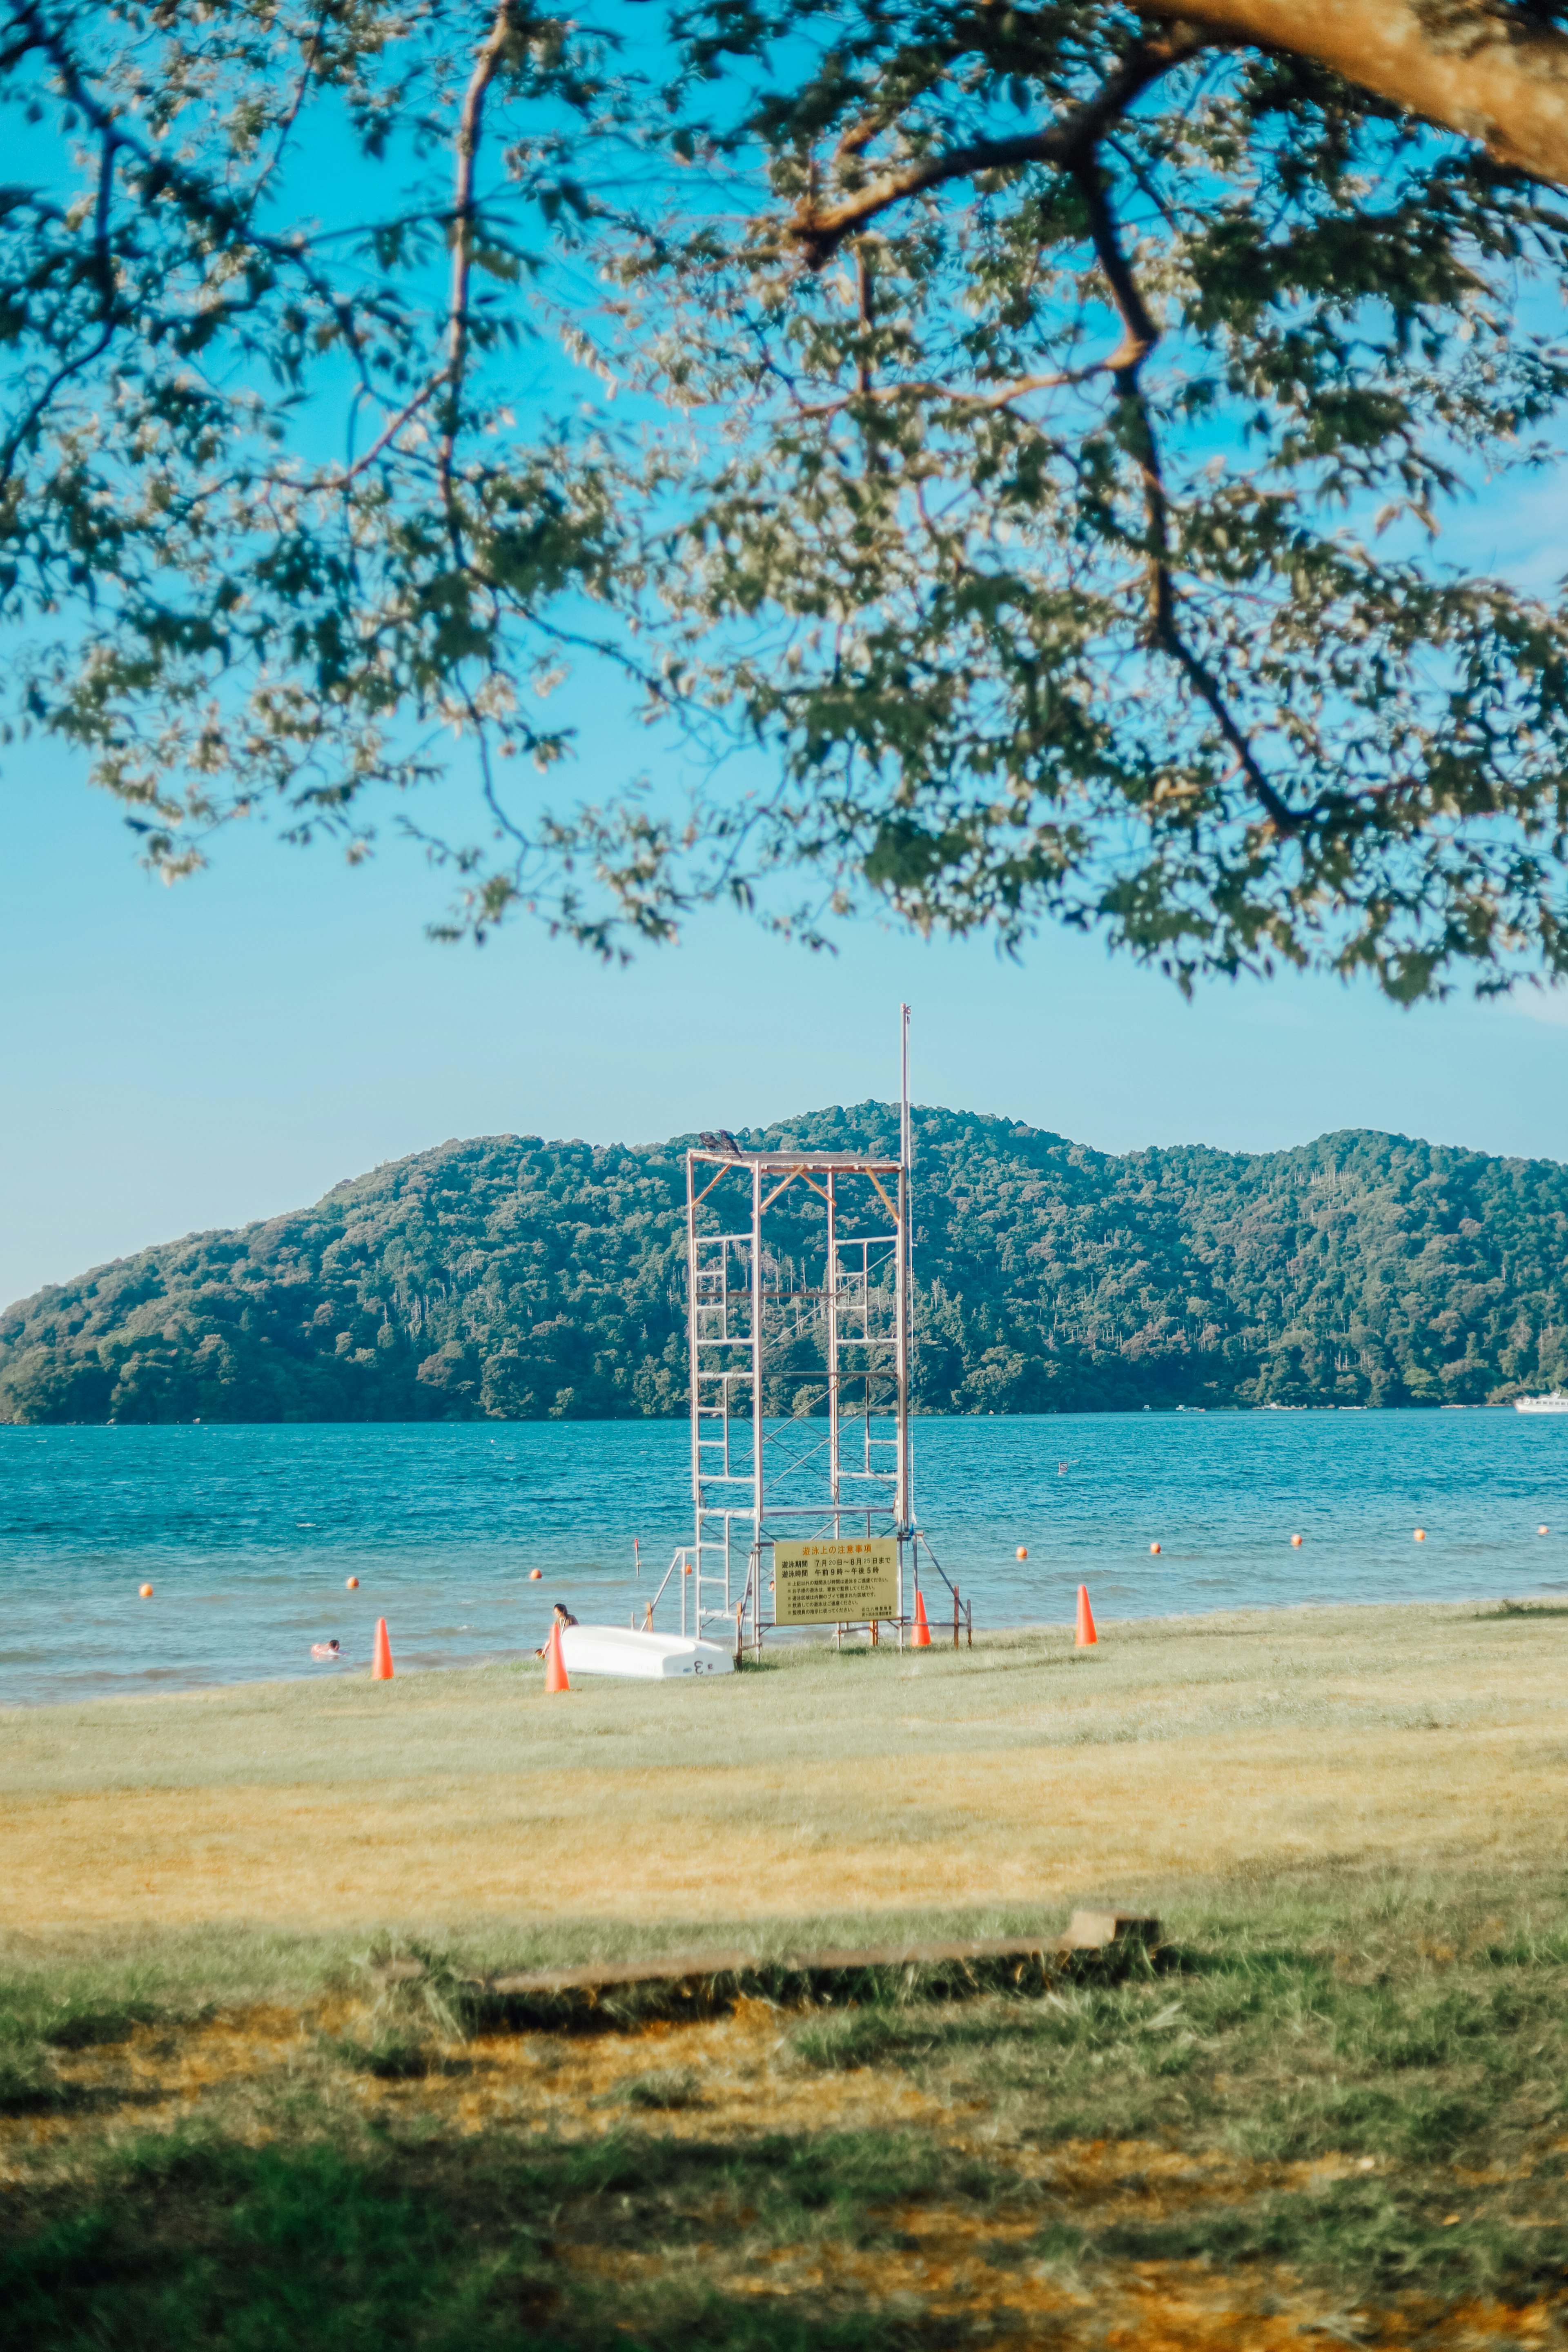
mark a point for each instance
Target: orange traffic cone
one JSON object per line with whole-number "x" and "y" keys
{"x": 554, "y": 1662}
{"x": 923, "y": 1629}
{"x": 1087, "y": 1636}
{"x": 381, "y": 1656}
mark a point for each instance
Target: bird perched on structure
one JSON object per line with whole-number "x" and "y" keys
{"x": 722, "y": 1141}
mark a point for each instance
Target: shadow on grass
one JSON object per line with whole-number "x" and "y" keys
{"x": 392, "y": 2057}
{"x": 1387, "y": 2240}
{"x": 317, "y": 2250}
{"x": 1376, "y": 2094}
{"x": 458, "y": 2246}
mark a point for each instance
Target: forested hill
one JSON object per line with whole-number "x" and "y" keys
{"x": 514, "y": 1277}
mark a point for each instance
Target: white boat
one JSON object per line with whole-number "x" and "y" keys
{"x": 647, "y": 1657}
{"x": 1556, "y": 1402}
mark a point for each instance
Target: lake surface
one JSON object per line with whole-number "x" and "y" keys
{"x": 247, "y": 1534}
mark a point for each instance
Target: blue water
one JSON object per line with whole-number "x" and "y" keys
{"x": 247, "y": 1534}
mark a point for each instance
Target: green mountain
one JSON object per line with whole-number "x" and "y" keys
{"x": 511, "y": 1278}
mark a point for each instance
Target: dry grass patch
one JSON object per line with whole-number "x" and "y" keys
{"x": 1015, "y": 1775}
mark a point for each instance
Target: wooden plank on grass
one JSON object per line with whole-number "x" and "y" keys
{"x": 944, "y": 1969}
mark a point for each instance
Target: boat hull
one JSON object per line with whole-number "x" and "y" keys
{"x": 1555, "y": 1403}
{"x": 640, "y": 1657}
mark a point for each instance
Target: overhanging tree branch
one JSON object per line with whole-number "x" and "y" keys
{"x": 1494, "y": 72}
{"x": 1140, "y": 335}
{"x": 1019, "y": 661}
{"x": 816, "y": 231}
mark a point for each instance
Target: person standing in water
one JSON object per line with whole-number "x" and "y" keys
{"x": 564, "y": 1617}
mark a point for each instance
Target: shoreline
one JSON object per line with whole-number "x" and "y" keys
{"x": 917, "y": 1413}
{"x": 1482, "y": 1606}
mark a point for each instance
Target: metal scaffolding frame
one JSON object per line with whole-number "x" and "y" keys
{"x": 799, "y": 1374}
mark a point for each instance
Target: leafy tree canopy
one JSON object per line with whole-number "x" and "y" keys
{"x": 512, "y": 1278}
{"x": 1038, "y": 425}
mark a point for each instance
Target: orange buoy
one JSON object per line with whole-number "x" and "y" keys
{"x": 1295, "y": 1543}
{"x": 689, "y": 1568}
{"x": 381, "y": 1656}
{"x": 923, "y": 1625}
{"x": 1153, "y": 1548}
{"x": 1086, "y": 1636}
{"x": 1023, "y": 1551}
{"x": 534, "y": 1574}
{"x": 1420, "y": 1535}
{"x": 554, "y": 1662}
{"x": 1543, "y": 1531}
{"x": 351, "y": 1585}
{"x": 145, "y": 1593}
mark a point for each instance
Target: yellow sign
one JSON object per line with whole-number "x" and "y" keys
{"x": 836, "y": 1582}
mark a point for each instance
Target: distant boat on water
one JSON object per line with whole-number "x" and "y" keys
{"x": 1556, "y": 1402}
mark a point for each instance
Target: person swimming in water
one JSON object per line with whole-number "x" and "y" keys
{"x": 327, "y": 1649}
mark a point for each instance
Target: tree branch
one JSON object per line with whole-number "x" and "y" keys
{"x": 1492, "y": 72}
{"x": 889, "y": 395}
{"x": 818, "y": 231}
{"x": 285, "y": 128}
{"x": 388, "y": 433}
{"x": 871, "y": 125}
{"x": 1139, "y": 336}
{"x": 17, "y": 439}
{"x": 486, "y": 66}
{"x": 212, "y": 209}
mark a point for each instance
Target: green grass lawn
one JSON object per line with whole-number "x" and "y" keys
{"x": 1334, "y": 2101}
{"x": 1332, "y": 2108}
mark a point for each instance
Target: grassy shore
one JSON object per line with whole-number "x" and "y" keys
{"x": 989, "y": 1786}
{"x": 1335, "y": 2108}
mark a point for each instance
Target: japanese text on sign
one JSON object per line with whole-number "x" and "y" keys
{"x": 836, "y": 1581}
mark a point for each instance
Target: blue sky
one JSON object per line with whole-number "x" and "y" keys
{"x": 175, "y": 1059}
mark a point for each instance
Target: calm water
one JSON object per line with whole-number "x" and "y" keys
{"x": 249, "y": 1534}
